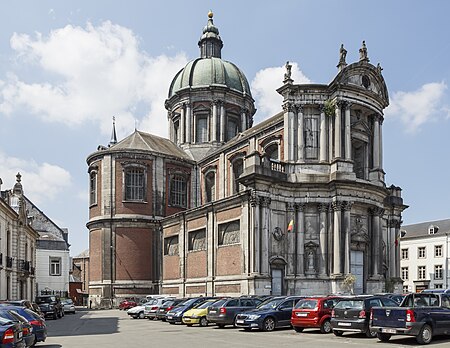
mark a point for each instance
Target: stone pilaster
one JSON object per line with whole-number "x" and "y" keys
{"x": 289, "y": 141}
{"x": 223, "y": 123}
{"x": 300, "y": 134}
{"x": 377, "y": 255}
{"x": 337, "y": 249}
{"x": 214, "y": 121}
{"x": 376, "y": 142}
{"x": 338, "y": 130}
{"x": 182, "y": 133}
{"x": 300, "y": 239}
{"x": 291, "y": 245}
{"x": 265, "y": 210}
{"x": 323, "y": 135}
{"x": 256, "y": 242}
{"x": 323, "y": 238}
{"x": 348, "y": 138}
{"x": 188, "y": 123}
{"x": 347, "y": 240}
{"x": 243, "y": 119}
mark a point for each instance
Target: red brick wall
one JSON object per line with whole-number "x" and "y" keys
{"x": 171, "y": 290}
{"x": 134, "y": 253}
{"x": 95, "y": 255}
{"x": 196, "y": 264}
{"x": 133, "y": 207}
{"x": 198, "y": 289}
{"x": 196, "y": 223}
{"x": 226, "y": 215}
{"x": 171, "y": 267}
{"x": 224, "y": 289}
{"x": 229, "y": 260}
{"x": 172, "y": 230}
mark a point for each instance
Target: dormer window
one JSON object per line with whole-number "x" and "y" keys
{"x": 433, "y": 229}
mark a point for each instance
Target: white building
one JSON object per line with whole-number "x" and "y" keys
{"x": 424, "y": 253}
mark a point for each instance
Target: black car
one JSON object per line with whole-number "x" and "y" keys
{"x": 51, "y": 306}
{"x": 27, "y": 329}
{"x": 11, "y": 334}
{"x": 224, "y": 311}
{"x": 176, "y": 313}
{"x": 270, "y": 314}
{"x": 167, "y": 306}
{"x": 353, "y": 314}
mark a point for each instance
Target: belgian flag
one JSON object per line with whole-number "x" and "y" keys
{"x": 290, "y": 227}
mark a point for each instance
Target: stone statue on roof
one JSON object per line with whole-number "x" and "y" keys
{"x": 287, "y": 75}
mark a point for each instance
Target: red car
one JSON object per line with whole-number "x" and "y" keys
{"x": 314, "y": 312}
{"x": 127, "y": 304}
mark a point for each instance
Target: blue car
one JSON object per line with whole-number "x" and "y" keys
{"x": 36, "y": 321}
{"x": 27, "y": 329}
{"x": 273, "y": 313}
{"x": 10, "y": 334}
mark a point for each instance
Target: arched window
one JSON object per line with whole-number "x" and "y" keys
{"x": 232, "y": 128}
{"x": 93, "y": 187}
{"x": 272, "y": 152}
{"x": 210, "y": 186}
{"x": 238, "y": 169}
{"x": 134, "y": 184}
{"x": 311, "y": 137}
{"x": 178, "y": 190}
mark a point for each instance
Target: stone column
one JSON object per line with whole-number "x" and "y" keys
{"x": 182, "y": 125}
{"x": 337, "y": 250}
{"x": 265, "y": 203}
{"x": 376, "y": 142}
{"x": 347, "y": 239}
{"x": 330, "y": 138}
{"x": 256, "y": 245}
{"x": 380, "y": 163}
{"x": 323, "y": 135}
{"x": 188, "y": 123}
{"x": 300, "y": 134}
{"x": 223, "y": 123}
{"x": 289, "y": 143}
{"x": 291, "y": 257}
{"x": 243, "y": 120}
{"x": 171, "y": 127}
{"x": 330, "y": 239}
{"x": 300, "y": 239}
{"x": 338, "y": 131}
{"x": 323, "y": 235}
{"x": 377, "y": 253}
{"x": 348, "y": 137}
{"x": 214, "y": 121}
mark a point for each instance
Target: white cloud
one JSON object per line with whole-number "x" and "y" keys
{"x": 92, "y": 74}
{"x": 264, "y": 85}
{"x": 40, "y": 181}
{"x": 420, "y": 106}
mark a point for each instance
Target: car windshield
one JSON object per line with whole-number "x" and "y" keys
{"x": 49, "y": 299}
{"x": 4, "y": 321}
{"x": 350, "y": 304}
{"x": 220, "y": 302}
{"x": 306, "y": 304}
{"x": 206, "y": 304}
{"x": 187, "y": 302}
{"x": 168, "y": 304}
{"x": 270, "y": 304}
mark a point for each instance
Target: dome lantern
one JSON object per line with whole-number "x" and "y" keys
{"x": 210, "y": 43}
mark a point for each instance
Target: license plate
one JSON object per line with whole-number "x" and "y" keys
{"x": 344, "y": 324}
{"x": 19, "y": 335}
{"x": 213, "y": 311}
{"x": 302, "y": 314}
{"x": 239, "y": 322}
{"x": 169, "y": 317}
{"x": 391, "y": 331}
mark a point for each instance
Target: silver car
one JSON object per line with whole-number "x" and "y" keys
{"x": 69, "y": 306}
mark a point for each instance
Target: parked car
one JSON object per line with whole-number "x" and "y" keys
{"x": 421, "y": 315}
{"x": 127, "y": 304}
{"x": 436, "y": 291}
{"x": 26, "y": 304}
{"x": 314, "y": 312}
{"x": 198, "y": 314}
{"x": 268, "y": 315}
{"x": 353, "y": 314}
{"x": 36, "y": 321}
{"x": 50, "y": 305}
{"x": 398, "y": 298}
{"x": 176, "y": 313}
{"x": 68, "y": 306}
{"x": 224, "y": 311}
{"x": 27, "y": 328}
{"x": 138, "y": 311}
{"x": 151, "y": 308}
{"x": 167, "y": 306}
{"x": 11, "y": 335}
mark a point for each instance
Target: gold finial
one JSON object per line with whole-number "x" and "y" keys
{"x": 210, "y": 14}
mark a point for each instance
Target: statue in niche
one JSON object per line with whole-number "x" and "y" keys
{"x": 310, "y": 260}
{"x": 310, "y": 231}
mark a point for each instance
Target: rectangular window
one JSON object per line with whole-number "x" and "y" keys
{"x": 438, "y": 272}
{"x": 405, "y": 254}
{"x": 438, "y": 286}
{"x": 229, "y": 233}
{"x": 405, "y": 273}
{"x": 197, "y": 240}
{"x": 405, "y": 289}
{"x": 201, "y": 134}
{"x": 421, "y": 252}
{"x": 134, "y": 185}
{"x": 93, "y": 188}
{"x": 55, "y": 266}
{"x": 438, "y": 251}
{"x": 171, "y": 246}
{"x": 421, "y": 271}
{"x": 178, "y": 191}
{"x": 311, "y": 134}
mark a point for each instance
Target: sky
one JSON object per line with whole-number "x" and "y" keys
{"x": 68, "y": 67}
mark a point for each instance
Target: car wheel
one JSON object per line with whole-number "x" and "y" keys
{"x": 338, "y": 333}
{"x": 269, "y": 324}
{"x": 325, "y": 328}
{"x": 203, "y": 321}
{"x": 298, "y": 329}
{"x": 141, "y": 315}
{"x": 371, "y": 334}
{"x": 383, "y": 337}
{"x": 425, "y": 335}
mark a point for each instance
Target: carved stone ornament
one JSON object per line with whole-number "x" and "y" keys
{"x": 278, "y": 234}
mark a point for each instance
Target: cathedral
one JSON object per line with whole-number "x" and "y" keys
{"x": 296, "y": 204}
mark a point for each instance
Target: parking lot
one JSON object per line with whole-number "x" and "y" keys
{"x": 113, "y": 328}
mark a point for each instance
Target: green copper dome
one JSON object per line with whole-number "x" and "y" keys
{"x": 207, "y": 72}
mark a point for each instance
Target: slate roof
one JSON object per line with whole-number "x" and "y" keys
{"x": 148, "y": 142}
{"x": 421, "y": 229}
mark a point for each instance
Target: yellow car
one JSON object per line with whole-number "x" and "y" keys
{"x": 197, "y": 315}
